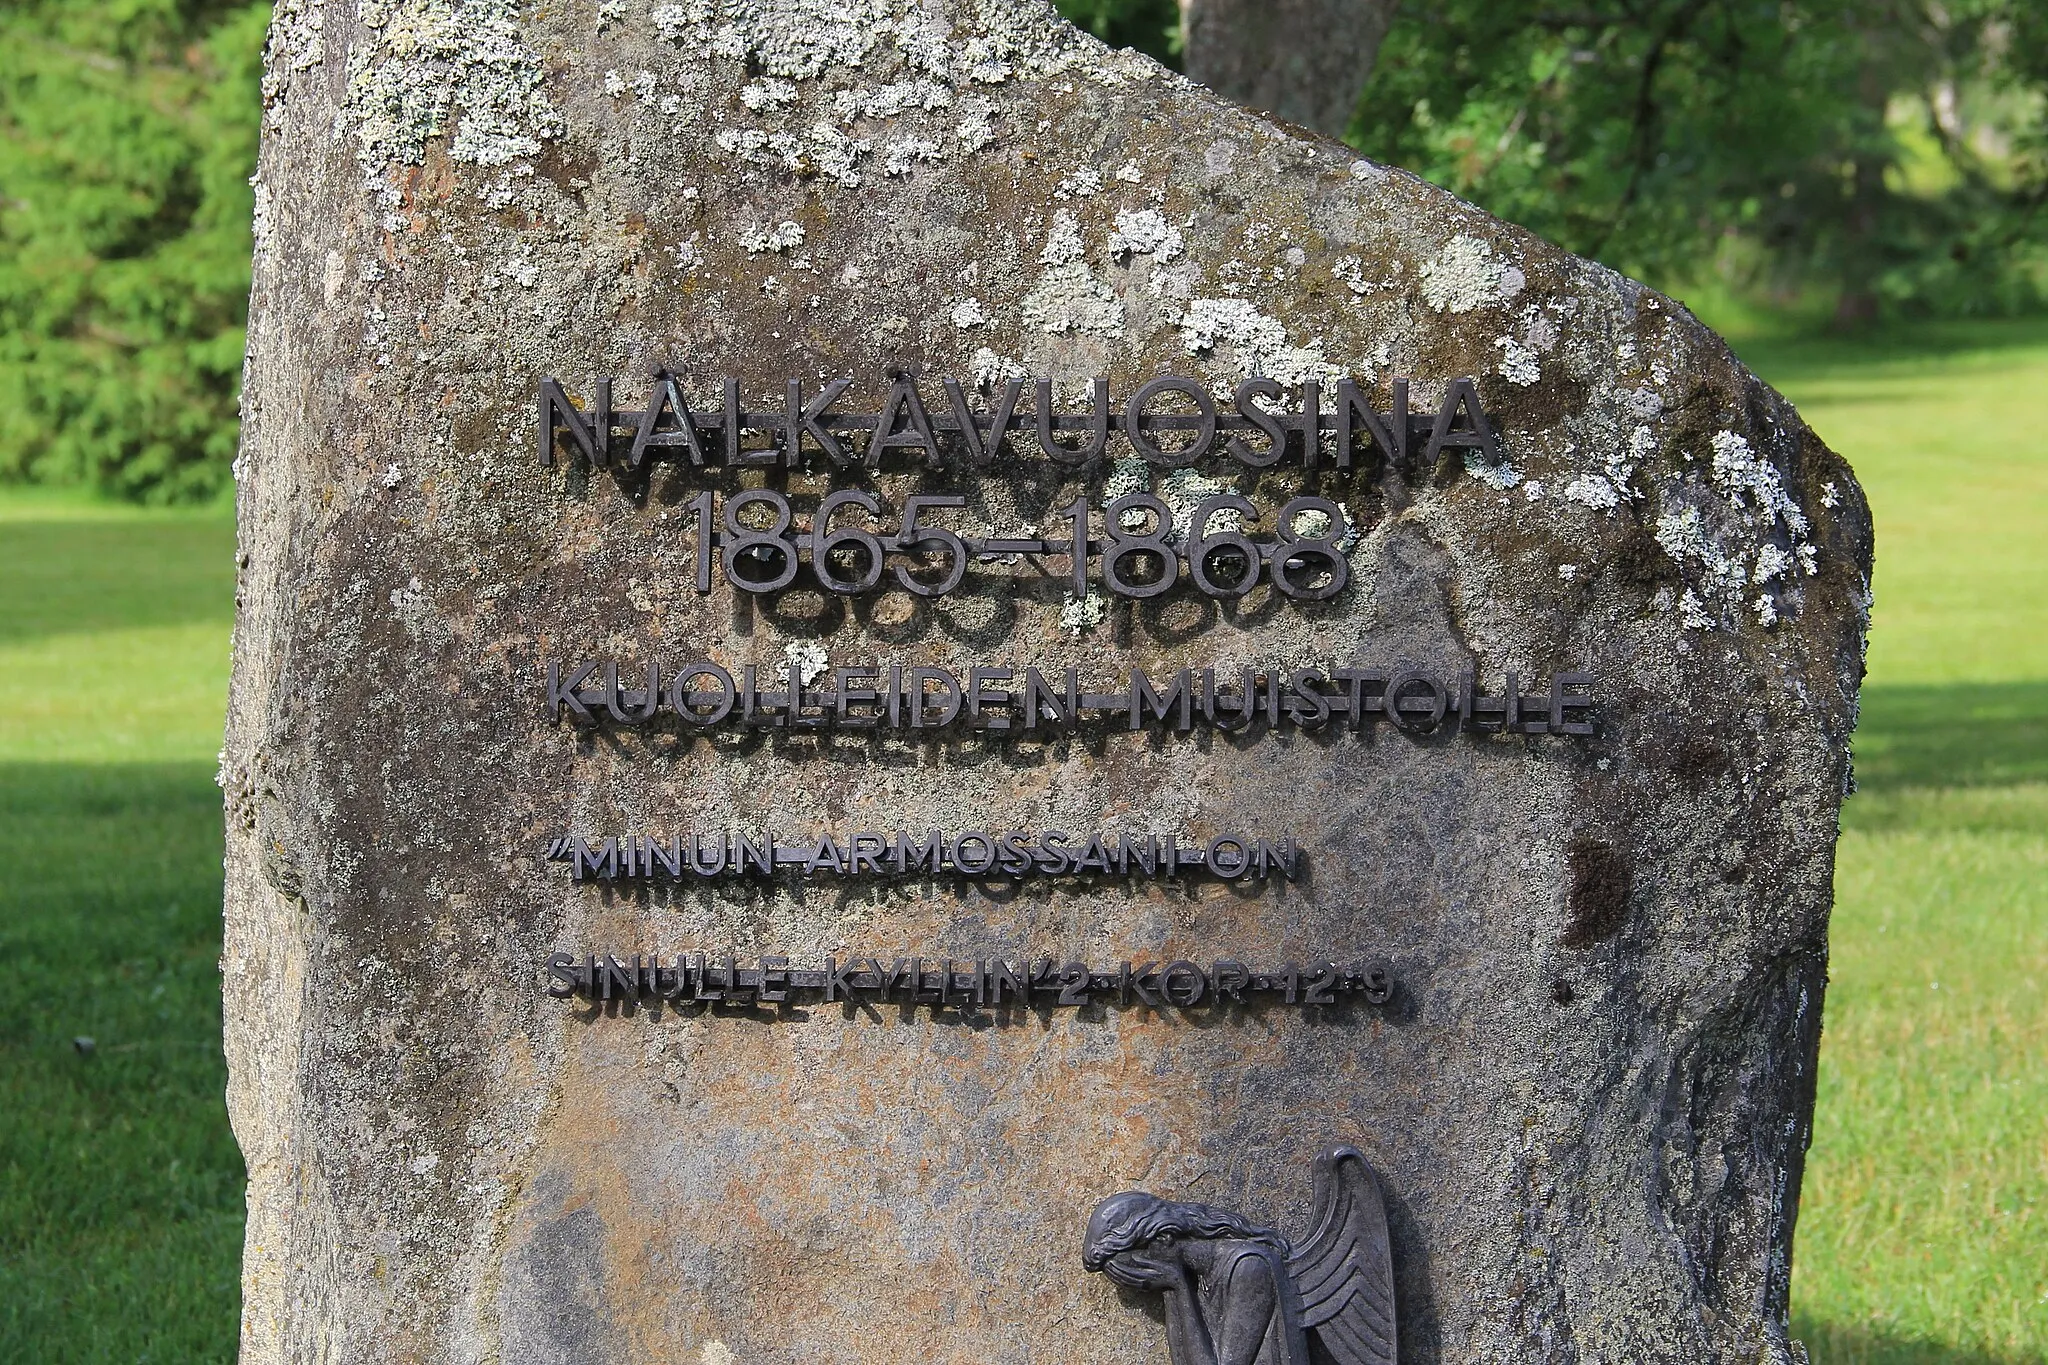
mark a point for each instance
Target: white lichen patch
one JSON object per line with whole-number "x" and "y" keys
{"x": 990, "y": 369}
{"x": 421, "y": 66}
{"x": 297, "y": 43}
{"x": 809, "y": 659}
{"x": 1351, "y": 272}
{"x": 1258, "y": 342}
{"x": 784, "y": 236}
{"x": 1746, "y": 553}
{"x": 1752, "y": 484}
{"x": 1500, "y": 477}
{"x": 1645, "y": 405}
{"x": 975, "y": 132}
{"x": 1754, "y": 535}
{"x": 1063, "y": 243}
{"x": 1145, "y": 232}
{"x": 1539, "y": 329}
{"x": 1772, "y": 561}
{"x": 823, "y": 149}
{"x": 1518, "y": 363}
{"x": 1607, "y": 490}
{"x": 1183, "y": 490}
{"x": 835, "y": 154}
{"x": 1078, "y": 614}
{"x": 889, "y": 100}
{"x": 800, "y": 38}
{"x": 900, "y": 157}
{"x": 1084, "y": 183}
{"x": 1684, "y": 536}
{"x": 1591, "y": 490}
{"x": 1467, "y": 275}
{"x": 1070, "y": 298}
{"x": 1127, "y": 475}
{"x": 766, "y": 93}
{"x": 968, "y": 313}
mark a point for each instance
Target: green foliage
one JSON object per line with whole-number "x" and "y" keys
{"x": 1151, "y": 26}
{"x": 1861, "y": 155}
{"x": 127, "y": 137}
{"x": 1887, "y": 154}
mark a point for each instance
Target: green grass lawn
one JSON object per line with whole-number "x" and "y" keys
{"x": 1923, "y": 1237}
{"x": 1923, "y": 1234}
{"x": 120, "y": 1186}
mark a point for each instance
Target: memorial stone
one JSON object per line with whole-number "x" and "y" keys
{"x": 906, "y": 690}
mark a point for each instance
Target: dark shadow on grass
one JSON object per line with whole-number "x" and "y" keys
{"x": 1954, "y": 735}
{"x": 120, "y": 1183}
{"x": 1835, "y": 1345}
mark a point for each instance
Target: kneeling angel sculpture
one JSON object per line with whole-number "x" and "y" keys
{"x": 1239, "y": 1294}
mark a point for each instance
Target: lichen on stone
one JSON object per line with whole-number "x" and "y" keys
{"x": 1183, "y": 490}
{"x": 809, "y": 658}
{"x": 1737, "y": 547}
{"x": 1070, "y": 298}
{"x": 1351, "y": 271}
{"x": 1082, "y": 183}
{"x": 1063, "y": 243}
{"x": 899, "y": 157}
{"x": 1258, "y": 342}
{"x": 784, "y": 236}
{"x": 1145, "y": 232}
{"x": 975, "y": 131}
{"x": 1500, "y": 475}
{"x": 427, "y": 62}
{"x": 990, "y": 369}
{"x": 1753, "y": 484}
{"x": 1518, "y": 363}
{"x": 799, "y": 38}
{"x": 1466, "y": 275}
{"x": 1079, "y": 614}
{"x": 767, "y": 93}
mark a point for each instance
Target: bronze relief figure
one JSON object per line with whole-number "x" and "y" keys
{"x": 1240, "y": 1294}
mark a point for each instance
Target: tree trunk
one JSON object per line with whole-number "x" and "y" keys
{"x": 1863, "y": 223}
{"x": 1302, "y": 60}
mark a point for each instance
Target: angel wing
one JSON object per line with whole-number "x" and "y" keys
{"x": 1344, "y": 1270}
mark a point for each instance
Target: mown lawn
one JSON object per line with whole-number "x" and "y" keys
{"x": 1923, "y": 1238}
{"x": 1923, "y": 1234}
{"x": 120, "y": 1186}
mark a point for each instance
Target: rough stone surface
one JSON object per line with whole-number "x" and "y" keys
{"x": 1589, "y": 1108}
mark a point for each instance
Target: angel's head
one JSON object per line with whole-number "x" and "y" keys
{"x": 1125, "y": 1227}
